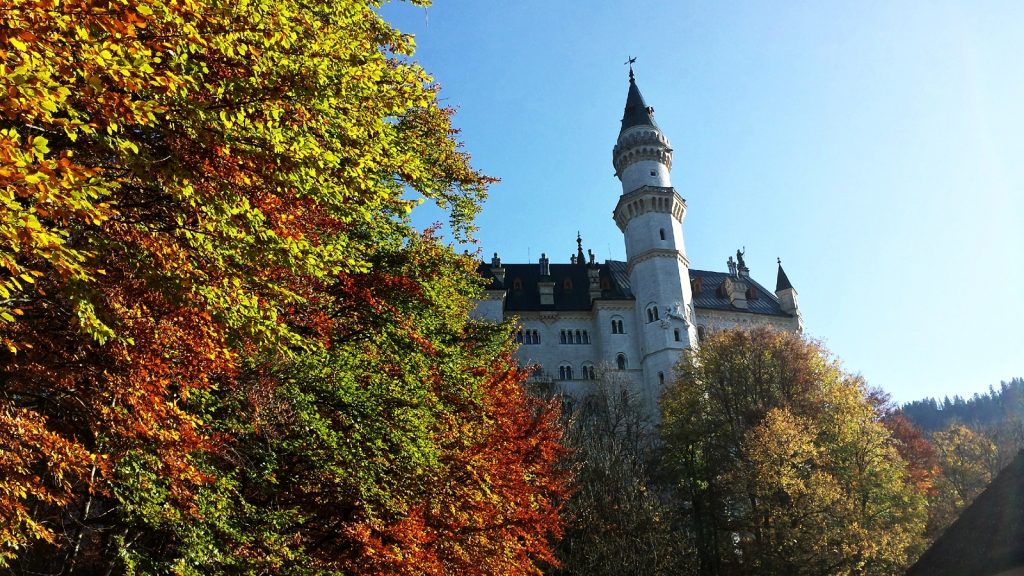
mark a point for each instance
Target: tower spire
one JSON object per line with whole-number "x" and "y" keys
{"x": 637, "y": 112}
{"x": 642, "y": 155}
{"x": 782, "y": 281}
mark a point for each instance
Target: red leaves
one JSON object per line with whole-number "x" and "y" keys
{"x": 495, "y": 506}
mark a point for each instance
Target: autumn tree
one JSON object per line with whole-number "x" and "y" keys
{"x": 968, "y": 461}
{"x": 620, "y": 517}
{"x": 224, "y": 349}
{"x": 785, "y": 463}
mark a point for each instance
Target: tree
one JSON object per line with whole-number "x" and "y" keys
{"x": 224, "y": 347}
{"x": 968, "y": 461}
{"x": 620, "y": 519}
{"x": 785, "y": 462}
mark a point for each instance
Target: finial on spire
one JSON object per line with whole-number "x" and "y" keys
{"x": 629, "y": 61}
{"x": 579, "y": 248}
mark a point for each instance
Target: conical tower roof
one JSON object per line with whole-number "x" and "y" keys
{"x": 782, "y": 281}
{"x": 637, "y": 112}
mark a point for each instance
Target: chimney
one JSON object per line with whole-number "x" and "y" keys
{"x": 736, "y": 290}
{"x": 594, "y": 280}
{"x": 497, "y": 270}
{"x": 545, "y": 285}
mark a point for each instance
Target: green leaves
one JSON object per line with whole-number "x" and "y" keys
{"x": 209, "y": 282}
{"x": 770, "y": 439}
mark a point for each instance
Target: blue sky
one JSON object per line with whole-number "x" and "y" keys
{"x": 875, "y": 146}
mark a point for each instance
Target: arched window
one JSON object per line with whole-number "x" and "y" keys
{"x": 561, "y": 372}
{"x": 620, "y": 361}
{"x": 535, "y": 337}
{"x": 586, "y": 337}
{"x": 652, "y": 313}
{"x": 579, "y": 338}
{"x": 661, "y": 378}
{"x": 565, "y": 372}
{"x": 519, "y": 336}
{"x": 702, "y": 333}
{"x": 662, "y": 233}
{"x": 617, "y": 326}
{"x": 567, "y": 284}
{"x": 517, "y": 284}
{"x": 678, "y": 339}
{"x": 587, "y": 372}
{"x": 561, "y": 337}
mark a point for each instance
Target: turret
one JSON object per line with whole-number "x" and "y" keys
{"x": 786, "y": 294}
{"x": 650, "y": 214}
{"x": 642, "y": 155}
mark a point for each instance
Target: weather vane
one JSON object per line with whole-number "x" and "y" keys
{"x": 629, "y": 61}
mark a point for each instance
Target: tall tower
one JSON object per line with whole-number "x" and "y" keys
{"x": 650, "y": 214}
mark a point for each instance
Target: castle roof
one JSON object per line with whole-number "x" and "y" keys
{"x": 637, "y": 113}
{"x": 523, "y": 295}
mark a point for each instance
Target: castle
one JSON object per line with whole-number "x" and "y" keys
{"x": 585, "y": 320}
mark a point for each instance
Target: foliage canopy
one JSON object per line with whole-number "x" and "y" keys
{"x": 785, "y": 462}
{"x": 223, "y": 347}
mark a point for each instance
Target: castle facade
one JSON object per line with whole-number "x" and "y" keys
{"x": 587, "y": 321}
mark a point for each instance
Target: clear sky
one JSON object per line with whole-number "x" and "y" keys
{"x": 877, "y": 147}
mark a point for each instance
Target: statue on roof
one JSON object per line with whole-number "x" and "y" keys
{"x": 739, "y": 258}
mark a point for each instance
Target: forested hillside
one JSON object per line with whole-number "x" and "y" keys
{"x": 979, "y": 411}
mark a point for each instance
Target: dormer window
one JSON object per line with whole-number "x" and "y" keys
{"x": 567, "y": 284}
{"x": 517, "y": 283}
{"x": 605, "y": 284}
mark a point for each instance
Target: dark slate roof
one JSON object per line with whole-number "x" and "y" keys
{"x": 709, "y": 298}
{"x": 782, "y": 281}
{"x": 614, "y": 276}
{"x": 636, "y": 113}
{"x": 988, "y": 537}
{"x": 576, "y": 298}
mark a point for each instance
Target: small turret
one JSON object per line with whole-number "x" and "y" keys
{"x": 786, "y": 294}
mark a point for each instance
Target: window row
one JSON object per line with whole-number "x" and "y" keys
{"x": 574, "y": 337}
{"x": 565, "y": 372}
{"x": 527, "y": 336}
